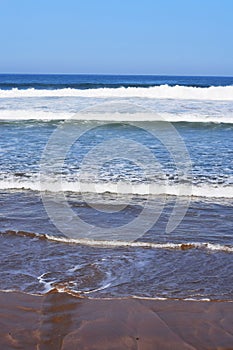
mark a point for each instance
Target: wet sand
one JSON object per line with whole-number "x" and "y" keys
{"x": 61, "y": 321}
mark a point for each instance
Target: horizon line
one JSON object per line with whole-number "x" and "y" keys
{"x": 122, "y": 74}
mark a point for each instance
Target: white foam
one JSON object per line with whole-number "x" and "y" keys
{"x": 167, "y": 245}
{"x": 73, "y": 293}
{"x": 105, "y": 286}
{"x": 163, "y": 91}
{"x": 30, "y": 114}
{"x": 47, "y": 285}
{"x": 14, "y": 115}
{"x": 143, "y": 189}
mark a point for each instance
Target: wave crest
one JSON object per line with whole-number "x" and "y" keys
{"x": 136, "y": 244}
{"x": 224, "y": 93}
{"x": 142, "y": 189}
{"x": 17, "y": 115}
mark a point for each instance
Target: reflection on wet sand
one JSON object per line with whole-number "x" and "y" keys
{"x": 60, "y": 321}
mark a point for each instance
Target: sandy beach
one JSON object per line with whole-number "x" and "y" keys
{"x": 61, "y": 321}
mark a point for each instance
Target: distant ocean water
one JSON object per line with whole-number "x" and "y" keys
{"x": 192, "y": 261}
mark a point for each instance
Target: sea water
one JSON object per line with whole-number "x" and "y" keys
{"x": 117, "y": 185}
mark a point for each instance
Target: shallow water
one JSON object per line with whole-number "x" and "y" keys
{"x": 194, "y": 261}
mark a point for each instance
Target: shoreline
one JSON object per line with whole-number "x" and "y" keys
{"x": 58, "y": 320}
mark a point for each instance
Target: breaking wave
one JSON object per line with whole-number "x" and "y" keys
{"x": 18, "y": 115}
{"x": 224, "y": 93}
{"x": 135, "y": 244}
{"x": 202, "y": 190}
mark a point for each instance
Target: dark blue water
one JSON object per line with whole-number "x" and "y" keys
{"x": 22, "y": 81}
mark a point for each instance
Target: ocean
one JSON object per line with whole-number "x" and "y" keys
{"x": 116, "y": 186}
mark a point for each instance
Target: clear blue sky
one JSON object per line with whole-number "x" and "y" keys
{"x": 193, "y": 37}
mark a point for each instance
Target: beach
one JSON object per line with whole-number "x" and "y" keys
{"x": 62, "y": 321}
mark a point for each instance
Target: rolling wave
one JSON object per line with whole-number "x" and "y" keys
{"x": 81, "y": 86}
{"x": 134, "y": 244}
{"x": 14, "y": 115}
{"x": 224, "y": 93}
{"x": 203, "y": 190}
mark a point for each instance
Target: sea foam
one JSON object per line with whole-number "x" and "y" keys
{"x": 135, "y": 244}
{"x": 224, "y": 93}
{"x": 17, "y": 115}
{"x": 203, "y": 190}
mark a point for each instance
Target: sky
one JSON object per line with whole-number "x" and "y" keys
{"x": 169, "y": 37}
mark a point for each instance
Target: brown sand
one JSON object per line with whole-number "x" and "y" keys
{"x": 61, "y": 321}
